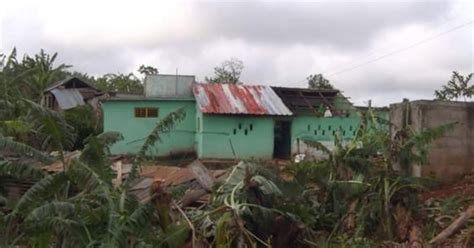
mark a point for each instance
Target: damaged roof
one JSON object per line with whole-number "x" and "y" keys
{"x": 239, "y": 99}
{"x": 71, "y": 82}
{"x": 307, "y": 101}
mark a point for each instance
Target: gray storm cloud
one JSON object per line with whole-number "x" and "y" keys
{"x": 346, "y": 25}
{"x": 280, "y": 43}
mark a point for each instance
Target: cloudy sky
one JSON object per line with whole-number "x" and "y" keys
{"x": 379, "y": 50}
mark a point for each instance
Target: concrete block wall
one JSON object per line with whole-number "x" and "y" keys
{"x": 451, "y": 156}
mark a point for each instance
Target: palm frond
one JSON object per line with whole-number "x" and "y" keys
{"x": 20, "y": 171}
{"x": 164, "y": 126}
{"x": 40, "y": 191}
{"x": 415, "y": 148}
{"x": 136, "y": 223}
{"x": 429, "y": 135}
{"x": 96, "y": 151}
{"x": 23, "y": 149}
{"x": 317, "y": 145}
{"x": 110, "y": 138}
{"x": 50, "y": 210}
{"x": 175, "y": 236}
{"x": 86, "y": 178}
{"x": 58, "y": 134}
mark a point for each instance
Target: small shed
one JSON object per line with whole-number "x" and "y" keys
{"x": 237, "y": 121}
{"x": 70, "y": 93}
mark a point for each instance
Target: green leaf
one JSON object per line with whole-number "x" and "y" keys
{"x": 176, "y": 236}
{"x": 20, "y": 171}
{"x": 41, "y": 191}
{"x": 23, "y": 149}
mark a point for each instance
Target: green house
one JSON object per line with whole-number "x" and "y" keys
{"x": 237, "y": 121}
{"x": 229, "y": 121}
{"x": 135, "y": 117}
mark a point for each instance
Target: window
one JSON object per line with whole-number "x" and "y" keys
{"x": 146, "y": 112}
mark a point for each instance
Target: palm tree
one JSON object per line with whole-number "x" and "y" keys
{"x": 79, "y": 206}
{"x": 457, "y": 87}
{"x": 362, "y": 173}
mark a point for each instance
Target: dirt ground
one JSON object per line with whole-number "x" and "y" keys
{"x": 462, "y": 188}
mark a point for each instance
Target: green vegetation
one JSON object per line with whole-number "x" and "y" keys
{"x": 318, "y": 81}
{"x": 228, "y": 72}
{"x": 457, "y": 87}
{"x": 352, "y": 198}
{"x": 80, "y": 206}
{"x": 22, "y": 83}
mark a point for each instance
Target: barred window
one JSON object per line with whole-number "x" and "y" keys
{"x": 146, "y": 112}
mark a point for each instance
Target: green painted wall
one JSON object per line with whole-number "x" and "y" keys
{"x": 321, "y": 129}
{"x": 222, "y": 136}
{"x": 119, "y": 116}
{"x": 198, "y": 138}
{"x": 212, "y": 136}
{"x": 341, "y": 103}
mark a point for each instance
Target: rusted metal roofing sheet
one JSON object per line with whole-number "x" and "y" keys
{"x": 239, "y": 99}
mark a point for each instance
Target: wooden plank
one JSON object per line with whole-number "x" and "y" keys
{"x": 191, "y": 196}
{"x": 308, "y": 103}
{"x": 331, "y": 108}
{"x": 202, "y": 174}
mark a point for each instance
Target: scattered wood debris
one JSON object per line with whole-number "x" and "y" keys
{"x": 195, "y": 179}
{"x": 455, "y": 226}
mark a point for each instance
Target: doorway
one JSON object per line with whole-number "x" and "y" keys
{"x": 282, "y": 139}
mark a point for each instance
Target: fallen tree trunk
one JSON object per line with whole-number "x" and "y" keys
{"x": 455, "y": 225}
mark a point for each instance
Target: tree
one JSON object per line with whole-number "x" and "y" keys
{"x": 228, "y": 72}
{"x": 123, "y": 83}
{"x": 26, "y": 78}
{"x": 457, "y": 87}
{"x": 318, "y": 81}
{"x": 42, "y": 73}
{"x": 147, "y": 70}
{"x": 81, "y": 206}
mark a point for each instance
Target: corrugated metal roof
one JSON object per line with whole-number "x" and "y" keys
{"x": 239, "y": 99}
{"x": 68, "y": 98}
